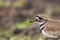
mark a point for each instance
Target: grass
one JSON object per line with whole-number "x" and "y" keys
{"x": 23, "y": 37}
{"x": 22, "y": 25}
{"x": 25, "y": 24}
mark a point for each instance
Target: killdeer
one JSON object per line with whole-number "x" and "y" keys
{"x": 48, "y": 27}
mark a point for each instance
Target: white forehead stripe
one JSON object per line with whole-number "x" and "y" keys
{"x": 37, "y": 18}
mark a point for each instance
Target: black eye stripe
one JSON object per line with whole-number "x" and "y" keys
{"x": 39, "y": 17}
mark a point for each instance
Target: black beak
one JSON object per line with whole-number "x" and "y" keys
{"x": 32, "y": 21}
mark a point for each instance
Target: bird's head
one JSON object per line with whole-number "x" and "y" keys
{"x": 41, "y": 20}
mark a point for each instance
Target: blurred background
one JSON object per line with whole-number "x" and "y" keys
{"x": 16, "y": 14}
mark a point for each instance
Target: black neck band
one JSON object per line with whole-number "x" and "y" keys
{"x": 42, "y": 25}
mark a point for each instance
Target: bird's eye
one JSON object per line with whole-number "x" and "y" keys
{"x": 40, "y": 18}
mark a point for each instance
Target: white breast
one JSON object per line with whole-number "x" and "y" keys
{"x": 48, "y": 35}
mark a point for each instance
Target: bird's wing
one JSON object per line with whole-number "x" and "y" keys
{"x": 53, "y": 27}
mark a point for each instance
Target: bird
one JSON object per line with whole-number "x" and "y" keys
{"x": 50, "y": 28}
